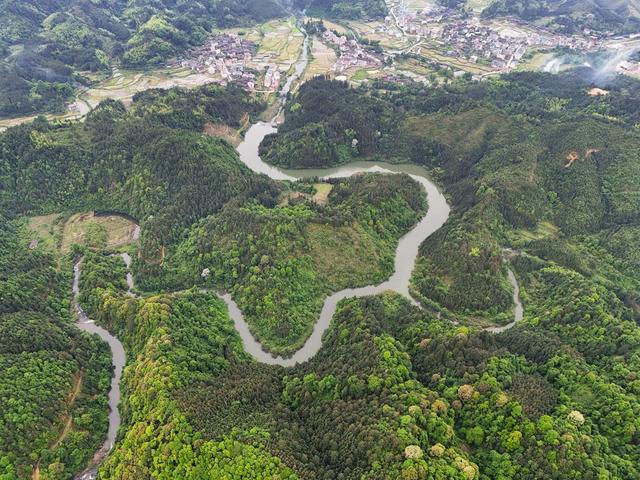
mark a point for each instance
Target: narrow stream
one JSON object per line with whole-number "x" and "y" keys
{"x": 118, "y": 360}
{"x": 519, "y": 309}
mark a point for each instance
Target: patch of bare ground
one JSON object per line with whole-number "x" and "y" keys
{"x": 597, "y": 92}
{"x": 573, "y": 156}
{"x": 223, "y": 131}
{"x": 118, "y": 230}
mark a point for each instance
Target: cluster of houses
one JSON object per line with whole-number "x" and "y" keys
{"x": 468, "y": 37}
{"x": 351, "y": 54}
{"x": 226, "y": 56}
{"x": 230, "y": 58}
{"x": 477, "y": 42}
{"x": 397, "y": 79}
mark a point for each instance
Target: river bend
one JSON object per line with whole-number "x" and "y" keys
{"x": 406, "y": 252}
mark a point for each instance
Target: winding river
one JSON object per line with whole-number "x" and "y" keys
{"x": 406, "y": 252}
{"x": 118, "y": 360}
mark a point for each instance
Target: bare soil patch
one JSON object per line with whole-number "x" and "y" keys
{"x": 223, "y": 131}
{"x": 116, "y": 230}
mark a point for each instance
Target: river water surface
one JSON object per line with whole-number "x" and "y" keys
{"x": 118, "y": 359}
{"x": 406, "y": 252}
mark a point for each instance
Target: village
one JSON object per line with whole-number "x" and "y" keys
{"x": 466, "y": 37}
{"x": 229, "y": 58}
{"x": 443, "y": 36}
{"x": 351, "y": 54}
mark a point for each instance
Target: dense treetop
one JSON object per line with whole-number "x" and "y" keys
{"x": 529, "y": 161}
{"x": 343, "y": 9}
{"x": 50, "y": 372}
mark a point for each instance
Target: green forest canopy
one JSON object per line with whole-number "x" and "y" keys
{"x": 529, "y": 161}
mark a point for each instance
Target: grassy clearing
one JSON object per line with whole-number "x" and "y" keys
{"x": 323, "y": 190}
{"x": 524, "y": 236}
{"x": 463, "y": 131}
{"x": 414, "y": 5}
{"x": 478, "y": 5}
{"x": 537, "y": 62}
{"x": 99, "y": 232}
{"x": 343, "y": 256}
{"x": 47, "y": 230}
{"x": 335, "y": 26}
{"x": 361, "y": 75}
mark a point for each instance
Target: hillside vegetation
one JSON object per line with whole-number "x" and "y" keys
{"x": 191, "y": 195}
{"x": 397, "y": 391}
{"x": 343, "y": 9}
{"x": 280, "y": 263}
{"x": 512, "y": 153}
{"x": 530, "y": 162}
{"x": 53, "y": 378}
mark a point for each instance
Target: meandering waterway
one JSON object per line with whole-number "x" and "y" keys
{"x": 406, "y": 252}
{"x": 118, "y": 360}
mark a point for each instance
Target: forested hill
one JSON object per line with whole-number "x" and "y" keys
{"x": 151, "y": 162}
{"x": 346, "y": 9}
{"x": 571, "y": 16}
{"x": 44, "y": 44}
{"x": 531, "y": 162}
{"x": 49, "y": 371}
{"x": 397, "y": 391}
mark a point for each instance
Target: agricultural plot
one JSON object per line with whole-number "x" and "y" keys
{"x": 323, "y": 58}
